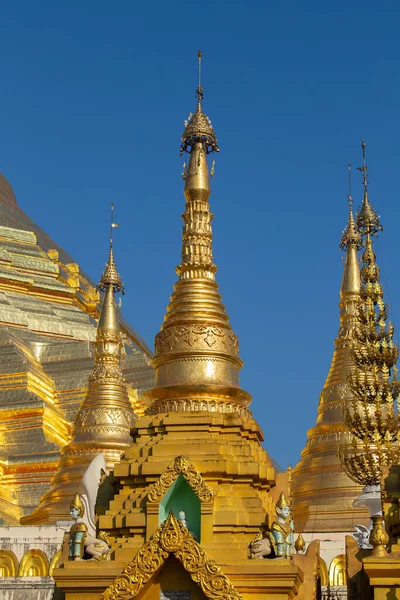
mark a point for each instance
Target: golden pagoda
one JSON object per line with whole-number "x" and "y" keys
{"x": 48, "y": 313}
{"x": 106, "y": 416}
{"x": 323, "y": 493}
{"x": 193, "y": 488}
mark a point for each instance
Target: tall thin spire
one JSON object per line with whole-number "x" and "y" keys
{"x": 323, "y": 494}
{"x": 105, "y": 417}
{"x": 371, "y": 417}
{"x": 196, "y": 345}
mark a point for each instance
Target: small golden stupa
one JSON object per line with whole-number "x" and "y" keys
{"x": 103, "y": 422}
{"x": 323, "y": 493}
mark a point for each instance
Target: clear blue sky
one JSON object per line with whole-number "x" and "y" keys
{"x": 92, "y": 102}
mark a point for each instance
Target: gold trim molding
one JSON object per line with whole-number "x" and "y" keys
{"x": 172, "y": 538}
{"x": 180, "y": 465}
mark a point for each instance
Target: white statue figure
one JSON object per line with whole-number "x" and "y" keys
{"x": 89, "y": 488}
{"x": 182, "y": 519}
{"x": 82, "y": 535}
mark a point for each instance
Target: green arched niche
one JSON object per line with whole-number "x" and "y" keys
{"x": 180, "y": 496}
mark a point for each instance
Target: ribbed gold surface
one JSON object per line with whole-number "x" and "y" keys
{"x": 323, "y": 494}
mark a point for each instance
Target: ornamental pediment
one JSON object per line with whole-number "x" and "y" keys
{"x": 180, "y": 466}
{"x": 172, "y": 539}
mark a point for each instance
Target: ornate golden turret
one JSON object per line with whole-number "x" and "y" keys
{"x": 196, "y": 347}
{"x": 197, "y": 427}
{"x": 106, "y": 416}
{"x": 323, "y": 494}
{"x": 372, "y": 415}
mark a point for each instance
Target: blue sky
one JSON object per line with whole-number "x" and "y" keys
{"x": 92, "y": 103}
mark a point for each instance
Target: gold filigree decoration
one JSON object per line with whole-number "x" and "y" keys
{"x": 172, "y": 538}
{"x": 196, "y": 336}
{"x": 189, "y": 405}
{"x": 180, "y": 465}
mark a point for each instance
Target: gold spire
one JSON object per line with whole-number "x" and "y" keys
{"x": 196, "y": 345}
{"x": 371, "y": 416}
{"x": 105, "y": 417}
{"x": 323, "y": 494}
{"x": 351, "y": 242}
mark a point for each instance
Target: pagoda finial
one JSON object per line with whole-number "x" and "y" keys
{"x": 350, "y": 235}
{"x": 367, "y": 220}
{"x": 199, "y": 91}
{"x": 198, "y": 128}
{"x": 110, "y": 276}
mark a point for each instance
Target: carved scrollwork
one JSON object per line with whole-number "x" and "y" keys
{"x": 172, "y": 537}
{"x": 189, "y": 405}
{"x": 180, "y": 465}
{"x": 197, "y": 337}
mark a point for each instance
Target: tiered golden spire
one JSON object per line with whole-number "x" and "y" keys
{"x": 372, "y": 416}
{"x": 196, "y": 345}
{"x": 106, "y": 416}
{"x": 323, "y": 494}
{"x": 103, "y": 422}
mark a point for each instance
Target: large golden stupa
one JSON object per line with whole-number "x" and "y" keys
{"x": 48, "y": 313}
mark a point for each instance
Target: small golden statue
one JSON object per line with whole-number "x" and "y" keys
{"x": 282, "y": 533}
{"x": 78, "y": 531}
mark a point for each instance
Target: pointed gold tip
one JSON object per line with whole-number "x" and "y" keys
{"x": 351, "y": 235}
{"x": 110, "y": 276}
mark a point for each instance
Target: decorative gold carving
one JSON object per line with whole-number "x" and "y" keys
{"x": 172, "y": 537}
{"x": 180, "y": 465}
{"x": 164, "y": 406}
{"x": 378, "y": 536}
{"x": 198, "y": 337}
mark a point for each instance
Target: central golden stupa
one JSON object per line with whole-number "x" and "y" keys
{"x": 193, "y": 489}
